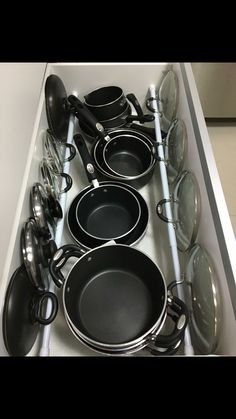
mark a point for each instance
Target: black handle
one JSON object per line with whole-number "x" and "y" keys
{"x": 80, "y": 110}
{"x": 180, "y": 319}
{"x": 159, "y": 210}
{"x": 148, "y": 130}
{"x": 85, "y": 156}
{"x": 69, "y": 182}
{"x": 38, "y": 306}
{"x": 141, "y": 119}
{"x": 132, "y": 98}
{"x": 72, "y": 151}
{"x": 54, "y": 206}
{"x": 60, "y": 258}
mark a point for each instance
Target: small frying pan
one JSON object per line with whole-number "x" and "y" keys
{"x": 105, "y": 213}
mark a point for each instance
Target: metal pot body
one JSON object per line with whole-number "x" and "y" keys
{"x": 106, "y": 102}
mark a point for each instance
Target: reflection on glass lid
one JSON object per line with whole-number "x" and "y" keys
{"x": 203, "y": 300}
{"x": 168, "y": 97}
{"x": 175, "y": 149}
{"x": 186, "y": 210}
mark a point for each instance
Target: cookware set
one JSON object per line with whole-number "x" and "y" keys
{"x": 115, "y": 298}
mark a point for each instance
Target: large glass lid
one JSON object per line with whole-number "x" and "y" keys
{"x": 203, "y": 300}
{"x": 186, "y": 209}
{"x": 168, "y": 100}
{"x": 175, "y": 149}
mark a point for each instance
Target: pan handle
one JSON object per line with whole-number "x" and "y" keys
{"x": 60, "y": 258}
{"x": 79, "y": 109}
{"x": 86, "y": 158}
{"x": 132, "y": 98}
{"x": 180, "y": 316}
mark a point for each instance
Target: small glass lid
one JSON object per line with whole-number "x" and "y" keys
{"x": 203, "y": 300}
{"x": 175, "y": 149}
{"x": 168, "y": 97}
{"x": 186, "y": 209}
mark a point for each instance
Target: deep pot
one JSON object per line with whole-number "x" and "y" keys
{"x": 115, "y": 299}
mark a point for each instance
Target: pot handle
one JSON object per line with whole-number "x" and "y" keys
{"x": 141, "y": 117}
{"x": 38, "y": 305}
{"x": 148, "y": 130}
{"x": 72, "y": 151}
{"x": 159, "y": 210}
{"x": 180, "y": 317}
{"x": 60, "y": 258}
{"x": 79, "y": 109}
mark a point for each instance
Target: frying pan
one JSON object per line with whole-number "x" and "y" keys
{"x": 106, "y": 213}
{"x": 115, "y": 299}
{"x": 88, "y": 242}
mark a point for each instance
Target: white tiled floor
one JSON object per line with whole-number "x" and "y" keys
{"x": 223, "y": 139}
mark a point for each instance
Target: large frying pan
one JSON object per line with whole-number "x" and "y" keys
{"x": 115, "y": 300}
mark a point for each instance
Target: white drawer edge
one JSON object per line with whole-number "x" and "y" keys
{"x": 223, "y": 227}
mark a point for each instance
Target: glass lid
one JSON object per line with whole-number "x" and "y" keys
{"x": 168, "y": 97}
{"x": 186, "y": 209}
{"x": 175, "y": 149}
{"x": 203, "y": 300}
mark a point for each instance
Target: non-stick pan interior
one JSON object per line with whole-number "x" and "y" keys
{"x": 88, "y": 242}
{"x": 114, "y": 294}
{"x": 108, "y": 212}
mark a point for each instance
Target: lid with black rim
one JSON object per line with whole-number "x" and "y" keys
{"x": 186, "y": 209}
{"x": 20, "y": 330}
{"x": 56, "y": 107}
{"x": 168, "y": 99}
{"x": 175, "y": 149}
{"x": 203, "y": 300}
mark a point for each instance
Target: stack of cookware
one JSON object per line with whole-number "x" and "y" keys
{"x": 115, "y": 297}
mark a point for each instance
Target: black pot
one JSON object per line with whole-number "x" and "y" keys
{"x": 116, "y": 301}
{"x": 106, "y": 102}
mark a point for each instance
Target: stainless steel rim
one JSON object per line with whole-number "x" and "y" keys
{"x": 135, "y": 342}
{"x": 113, "y": 238}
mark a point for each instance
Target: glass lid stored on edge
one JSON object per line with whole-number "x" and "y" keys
{"x": 186, "y": 209}
{"x": 168, "y": 100}
{"x": 175, "y": 149}
{"x": 203, "y": 300}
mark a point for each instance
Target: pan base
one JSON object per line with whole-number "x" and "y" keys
{"x": 109, "y": 221}
{"x": 115, "y": 307}
{"x": 125, "y": 164}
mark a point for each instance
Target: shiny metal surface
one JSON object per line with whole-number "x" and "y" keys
{"x": 175, "y": 149}
{"x": 203, "y": 299}
{"x": 39, "y": 204}
{"x": 168, "y": 99}
{"x": 30, "y": 248}
{"x": 186, "y": 210}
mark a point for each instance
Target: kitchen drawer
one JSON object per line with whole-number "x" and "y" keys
{"x": 215, "y": 230}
